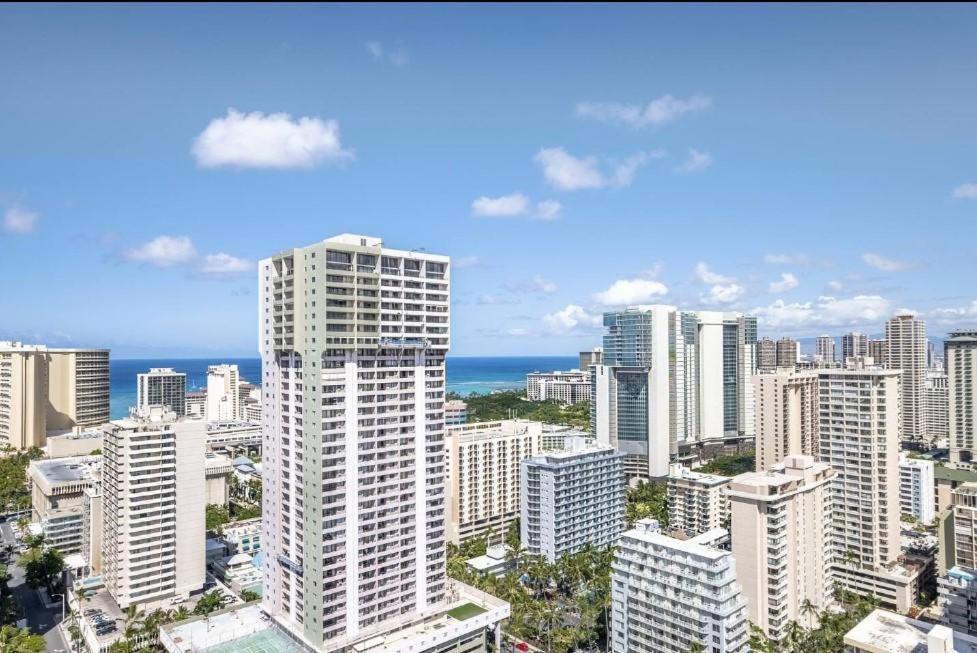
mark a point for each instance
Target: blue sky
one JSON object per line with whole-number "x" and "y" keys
{"x": 816, "y": 165}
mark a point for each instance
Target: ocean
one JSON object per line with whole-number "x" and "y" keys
{"x": 466, "y": 374}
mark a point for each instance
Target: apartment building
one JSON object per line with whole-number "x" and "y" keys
{"x": 786, "y": 415}
{"x": 781, "y": 532}
{"x": 567, "y": 388}
{"x": 788, "y": 352}
{"x": 153, "y": 500}
{"x": 223, "y": 398}
{"x": 917, "y": 488}
{"x": 482, "y": 467}
{"x": 697, "y": 502}
{"x": 57, "y": 488}
{"x": 196, "y": 403}
{"x": 887, "y": 632}
{"x": 593, "y": 357}
{"x": 958, "y": 586}
{"x": 672, "y": 380}
{"x": 455, "y": 412}
{"x": 353, "y": 336}
{"x": 162, "y": 386}
{"x": 571, "y": 498}
{"x": 46, "y": 390}
{"x": 554, "y": 436}
{"x": 766, "y": 353}
{"x": 859, "y": 426}
{"x": 960, "y": 354}
{"x": 936, "y": 406}
{"x": 905, "y": 338}
{"x": 824, "y": 349}
{"x": 674, "y": 596}
{"x": 877, "y": 350}
{"x": 855, "y": 345}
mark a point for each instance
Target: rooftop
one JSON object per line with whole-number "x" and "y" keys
{"x": 65, "y": 470}
{"x": 683, "y": 472}
{"x": 886, "y": 632}
{"x": 702, "y": 545}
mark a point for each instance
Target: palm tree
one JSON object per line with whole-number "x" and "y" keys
{"x": 808, "y": 609}
{"x": 696, "y": 647}
{"x": 180, "y": 614}
{"x": 134, "y": 624}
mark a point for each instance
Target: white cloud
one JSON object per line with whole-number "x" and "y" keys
{"x": 825, "y": 312}
{"x": 164, "y": 251}
{"x": 965, "y": 191}
{"x": 379, "y": 53}
{"x": 631, "y": 291}
{"x": 224, "y": 265}
{"x": 535, "y": 285}
{"x": 786, "y": 259}
{"x": 704, "y": 275}
{"x": 696, "y": 162}
{"x": 787, "y": 282}
{"x": 658, "y": 112}
{"x": 463, "y": 262}
{"x": 256, "y": 140}
{"x": 570, "y": 320}
{"x": 506, "y": 206}
{"x": 885, "y": 264}
{"x": 515, "y": 205}
{"x": 835, "y": 285}
{"x": 19, "y": 221}
{"x": 567, "y": 172}
{"x": 723, "y": 293}
{"x": 955, "y": 315}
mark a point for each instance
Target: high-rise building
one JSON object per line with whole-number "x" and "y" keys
{"x": 153, "y": 501}
{"x": 57, "y": 489}
{"x": 853, "y": 345}
{"x": 788, "y": 352}
{"x": 936, "y": 405}
{"x": 696, "y": 501}
{"x": 455, "y": 412}
{"x": 162, "y": 386}
{"x": 673, "y": 596}
{"x": 593, "y": 357}
{"x": 905, "y": 339}
{"x": 46, "y": 390}
{"x": 353, "y": 337}
{"x": 766, "y": 353}
{"x": 568, "y": 388}
{"x": 222, "y": 393}
{"x": 672, "y": 379}
{"x": 960, "y": 354}
{"x": 781, "y": 532}
{"x": 248, "y": 394}
{"x": 876, "y": 350}
{"x": 23, "y": 395}
{"x": 571, "y": 498}
{"x": 859, "y": 437}
{"x": 482, "y": 462}
{"x": 786, "y": 415}
{"x": 824, "y": 349}
{"x": 917, "y": 488}
{"x": 958, "y": 587}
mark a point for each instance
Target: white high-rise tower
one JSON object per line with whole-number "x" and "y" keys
{"x": 905, "y": 338}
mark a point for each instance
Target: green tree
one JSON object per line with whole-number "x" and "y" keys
{"x": 42, "y": 567}
{"x": 216, "y": 517}
{"x": 248, "y": 595}
{"x": 208, "y": 603}
{"x": 730, "y": 465}
{"x": 647, "y": 499}
{"x": 20, "y": 640}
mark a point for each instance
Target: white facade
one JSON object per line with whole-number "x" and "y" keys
{"x": 961, "y": 365}
{"x": 887, "y": 632}
{"x": 482, "y": 463}
{"x": 567, "y": 388}
{"x": 824, "y": 349}
{"x": 223, "y": 398}
{"x": 854, "y": 345}
{"x": 905, "y": 350}
{"x": 781, "y": 532}
{"x": 57, "y": 488}
{"x": 162, "y": 386}
{"x": 697, "y": 502}
{"x": 917, "y": 488}
{"x": 153, "y": 504}
{"x": 669, "y": 594}
{"x": 936, "y": 406}
{"x": 571, "y": 498}
{"x": 352, "y": 338}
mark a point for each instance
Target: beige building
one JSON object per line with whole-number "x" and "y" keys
{"x": 58, "y": 499}
{"x": 781, "y": 532}
{"x": 960, "y": 351}
{"x": 154, "y": 494}
{"x": 905, "y": 350}
{"x": 217, "y": 469}
{"x": 697, "y": 502}
{"x": 48, "y": 390}
{"x": 482, "y": 463}
{"x": 786, "y": 415}
{"x": 223, "y": 397}
{"x": 887, "y": 632}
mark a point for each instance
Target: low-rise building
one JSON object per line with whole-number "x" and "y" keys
{"x": 58, "y": 499}
{"x": 572, "y": 498}
{"x": 455, "y": 412}
{"x": 77, "y": 442}
{"x": 482, "y": 475}
{"x": 917, "y": 488}
{"x": 495, "y": 562}
{"x": 554, "y": 436}
{"x": 669, "y": 595}
{"x": 567, "y": 388}
{"x": 886, "y": 632}
{"x": 697, "y": 502}
{"x": 242, "y": 536}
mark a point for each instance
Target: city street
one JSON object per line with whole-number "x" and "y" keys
{"x": 40, "y": 620}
